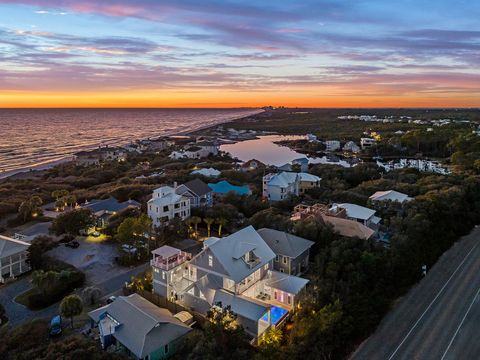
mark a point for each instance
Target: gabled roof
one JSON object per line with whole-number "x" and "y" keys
{"x": 285, "y": 244}
{"x": 143, "y": 327}
{"x": 286, "y": 178}
{"x": 308, "y": 177}
{"x": 391, "y": 195}
{"x": 111, "y": 205}
{"x": 248, "y": 163}
{"x": 167, "y": 199}
{"x": 210, "y": 172}
{"x": 228, "y": 251}
{"x": 284, "y": 282}
{"x": 9, "y": 246}
{"x": 196, "y": 186}
{"x": 349, "y": 228}
{"x": 208, "y": 286}
{"x": 356, "y": 211}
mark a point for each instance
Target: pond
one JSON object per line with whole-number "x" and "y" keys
{"x": 265, "y": 150}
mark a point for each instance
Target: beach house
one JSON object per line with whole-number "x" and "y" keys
{"x": 166, "y": 205}
{"x": 104, "y": 209}
{"x": 133, "y": 326}
{"x": 235, "y": 271}
{"x": 292, "y": 253}
{"x": 359, "y": 213}
{"x": 390, "y": 195}
{"x": 13, "y": 258}
{"x": 334, "y": 217}
{"x": 277, "y": 187}
{"x": 199, "y": 193}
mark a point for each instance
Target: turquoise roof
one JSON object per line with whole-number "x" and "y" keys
{"x": 224, "y": 187}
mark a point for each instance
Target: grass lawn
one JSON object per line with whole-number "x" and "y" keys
{"x": 23, "y": 297}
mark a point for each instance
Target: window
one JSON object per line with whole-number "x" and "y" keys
{"x": 166, "y": 349}
{"x": 289, "y": 300}
{"x": 276, "y": 258}
{"x": 210, "y": 260}
{"x": 275, "y": 294}
{"x": 163, "y": 275}
{"x": 165, "y": 208}
{"x": 284, "y": 259}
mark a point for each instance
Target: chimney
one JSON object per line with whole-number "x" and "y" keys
{"x": 175, "y": 185}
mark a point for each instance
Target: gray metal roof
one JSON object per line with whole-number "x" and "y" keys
{"x": 285, "y": 244}
{"x": 284, "y": 282}
{"x": 245, "y": 307}
{"x": 144, "y": 327}
{"x": 111, "y": 205}
{"x": 228, "y": 251}
{"x": 9, "y": 246}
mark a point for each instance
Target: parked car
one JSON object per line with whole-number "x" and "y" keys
{"x": 55, "y": 326}
{"x": 95, "y": 234}
{"x": 111, "y": 299}
{"x": 73, "y": 244}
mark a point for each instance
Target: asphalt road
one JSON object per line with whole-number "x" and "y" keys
{"x": 440, "y": 317}
{"x": 18, "y": 313}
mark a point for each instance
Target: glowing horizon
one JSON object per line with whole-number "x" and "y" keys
{"x": 225, "y": 54}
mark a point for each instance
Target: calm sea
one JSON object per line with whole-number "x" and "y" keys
{"x": 30, "y": 138}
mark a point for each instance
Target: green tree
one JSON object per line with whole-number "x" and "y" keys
{"x": 30, "y": 208}
{"x": 73, "y": 221}
{"x": 71, "y": 306}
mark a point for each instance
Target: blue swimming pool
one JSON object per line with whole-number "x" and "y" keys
{"x": 276, "y": 314}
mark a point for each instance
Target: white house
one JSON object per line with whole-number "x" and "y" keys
{"x": 13, "y": 258}
{"x": 367, "y": 142}
{"x": 278, "y": 187}
{"x": 166, "y": 205}
{"x": 311, "y": 138}
{"x": 210, "y": 172}
{"x": 332, "y": 145}
{"x": 390, "y": 195}
{"x": 350, "y": 146}
{"x": 359, "y": 213}
{"x": 235, "y": 271}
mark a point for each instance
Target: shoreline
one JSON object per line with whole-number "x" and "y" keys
{"x": 37, "y": 169}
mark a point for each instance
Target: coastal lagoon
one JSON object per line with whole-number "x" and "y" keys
{"x": 265, "y": 149}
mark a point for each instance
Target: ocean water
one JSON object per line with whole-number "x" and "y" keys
{"x": 30, "y": 138}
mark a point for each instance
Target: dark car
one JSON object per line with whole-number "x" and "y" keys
{"x": 73, "y": 244}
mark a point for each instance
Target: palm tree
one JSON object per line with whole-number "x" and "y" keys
{"x": 209, "y": 222}
{"x": 71, "y": 306}
{"x": 189, "y": 223}
{"x": 221, "y": 221}
{"x": 195, "y": 221}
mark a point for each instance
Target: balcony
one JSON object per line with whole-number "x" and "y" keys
{"x": 167, "y": 257}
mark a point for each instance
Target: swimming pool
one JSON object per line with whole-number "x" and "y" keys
{"x": 276, "y": 314}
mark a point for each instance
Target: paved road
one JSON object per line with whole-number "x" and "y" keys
{"x": 18, "y": 313}
{"x": 440, "y": 317}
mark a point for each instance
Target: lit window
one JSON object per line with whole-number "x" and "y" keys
{"x": 163, "y": 275}
{"x": 210, "y": 260}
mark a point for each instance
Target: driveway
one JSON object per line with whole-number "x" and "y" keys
{"x": 18, "y": 313}
{"x": 95, "y": 258}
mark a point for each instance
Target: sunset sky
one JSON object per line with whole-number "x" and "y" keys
{"x": 213, "y": 53}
